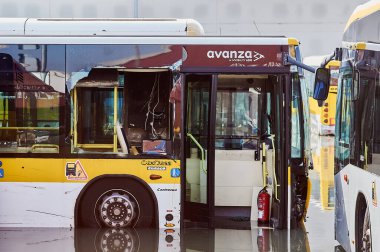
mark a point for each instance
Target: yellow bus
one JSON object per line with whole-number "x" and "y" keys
{"x": 322, "y": 118}
{"x": 125, "y": 123}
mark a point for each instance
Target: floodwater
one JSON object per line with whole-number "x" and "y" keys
{"x": 316, "y": 235}
{"x": 320, "y": 217}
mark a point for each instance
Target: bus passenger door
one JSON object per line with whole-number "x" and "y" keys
{"x": 241, "y": 139}
{"x": 279, "y": 105}
{"x": 197, "y": 150}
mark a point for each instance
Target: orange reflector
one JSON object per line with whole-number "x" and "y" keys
{"x": 345, "y": 177}
{"x": 169, "y": 231}
{"x": 326, "y": 104}
{"x": 169, "y": 225}
{"x": 326, "y": 110}
{"x": 155, "y": 176}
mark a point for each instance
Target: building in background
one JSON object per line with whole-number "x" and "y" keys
{"x": 317, "y": 24}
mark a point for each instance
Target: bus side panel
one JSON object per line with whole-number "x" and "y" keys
{"x": 168, "y": 199}
{"x": 359, "y": 181}
{"x": 38, "y": 204}
{"x": 36, "y": 192}
{"x": 341, "y": 208}
{"x": 52, "y": 204}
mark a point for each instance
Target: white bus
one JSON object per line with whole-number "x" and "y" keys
{"x": 357, "y": 136}
{"x": 126, "y": 123}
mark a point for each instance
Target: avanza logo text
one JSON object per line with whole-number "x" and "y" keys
{"x": 235, "y": 55}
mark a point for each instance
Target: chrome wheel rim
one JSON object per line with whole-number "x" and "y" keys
{"x": 116, "y": 208}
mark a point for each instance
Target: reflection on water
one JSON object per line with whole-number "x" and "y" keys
{"x": 260, "y": 239}
{"x": 322, "y": 177}
{"x": 320, "y": 215}
{"x": 190, "y": 240}
{"x": 118, "y": 240}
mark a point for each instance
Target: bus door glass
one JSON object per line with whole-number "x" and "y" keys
{"x": 242, "y": 121}
{"x": 198, "y": 89}
{"x": 345, "y": 116}
{"x": 344, "y": 129}
{"x": 279, "y": 105}
{"x": 230, "y": 154}
{"x": 297, "y": 140}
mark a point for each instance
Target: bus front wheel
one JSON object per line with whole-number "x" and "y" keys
{"x": 116, "y": 203}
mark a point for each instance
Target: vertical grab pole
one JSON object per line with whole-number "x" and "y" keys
{"x": 115, "y": 119}
{"x": 75, "y": 132}
{"x": 264, "y": 163}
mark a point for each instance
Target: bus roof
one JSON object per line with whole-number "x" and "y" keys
{"x": 102, "y": 27}
{"x": 149, "y": 40}
{"x": 119, "y": 31}
{"x": 363, "y": 24}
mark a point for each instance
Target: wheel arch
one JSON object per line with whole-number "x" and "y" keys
{"x": 126, "y": 177}
{"x": 360, "y": 208}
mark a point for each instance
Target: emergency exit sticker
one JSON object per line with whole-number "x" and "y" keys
{"x": 1, "y": 173}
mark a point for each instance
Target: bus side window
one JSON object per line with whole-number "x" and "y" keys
{"x": 366, "y": 106}
{"x": 372, "y": 146}
{"x": 147, "y": 106}
{"x": 31, "y": 98}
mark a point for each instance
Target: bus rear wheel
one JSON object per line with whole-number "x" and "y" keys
{"x": 116, "y": 203}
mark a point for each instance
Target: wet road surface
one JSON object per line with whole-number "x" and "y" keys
{"x": 316, "y": 235}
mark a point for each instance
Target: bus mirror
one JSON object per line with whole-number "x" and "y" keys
{"x": 321, "y": 84}
{"x": 355, "y": 85}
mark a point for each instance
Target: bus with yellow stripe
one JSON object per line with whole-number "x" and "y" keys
{"x": 126, "y": 123}
{"x": 322, "y": 117}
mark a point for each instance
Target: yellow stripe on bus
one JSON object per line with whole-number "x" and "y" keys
{"x": 153, "y": 171}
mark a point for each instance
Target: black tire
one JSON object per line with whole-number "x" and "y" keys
{"x": 89, "y": 206}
